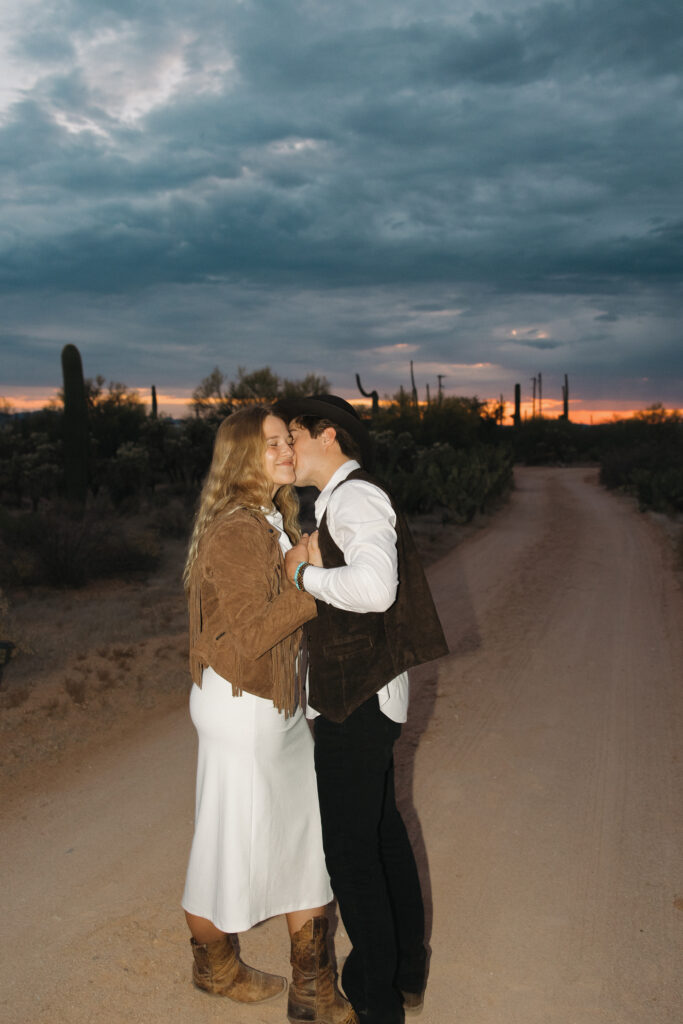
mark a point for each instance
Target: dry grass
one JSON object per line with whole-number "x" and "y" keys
{"x": 88, "y": 665}
{"x": 105, "y": 679}
{"x": 76, "y": 689}
{"x": 15, "y": 697}
{"x": 106, "y": 619}
{"x": 121, "y": 654}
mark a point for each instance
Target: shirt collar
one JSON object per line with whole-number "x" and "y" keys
{"x": 274, "y": 516}
{"x": 336, "y": 478}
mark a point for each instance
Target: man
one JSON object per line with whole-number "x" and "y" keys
{"x": 376, "y": 619}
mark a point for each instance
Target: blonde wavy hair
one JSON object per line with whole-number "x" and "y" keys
{"x": 236, "y": 479}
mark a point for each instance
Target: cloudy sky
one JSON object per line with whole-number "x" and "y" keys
{"x": 491, "y": 188}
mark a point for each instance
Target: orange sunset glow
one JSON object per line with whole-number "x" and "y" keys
{"x": 177, "y": 402}
{"x": 173, "y": 403}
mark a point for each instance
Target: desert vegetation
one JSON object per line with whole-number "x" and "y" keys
{"x": 93, "y": 484}
{"x": 642, "y": 455}
{"x": 104, "y": 493}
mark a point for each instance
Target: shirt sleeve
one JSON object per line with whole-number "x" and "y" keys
{"x": 362, "y": 523}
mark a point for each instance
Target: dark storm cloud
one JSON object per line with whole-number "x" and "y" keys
{"x": 611, "y": 318}
{"x": 516, "y": 163}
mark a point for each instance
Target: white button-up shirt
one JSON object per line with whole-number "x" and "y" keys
{"x": 362, "y": 524}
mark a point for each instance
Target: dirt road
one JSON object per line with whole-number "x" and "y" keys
{"x": 540, "y": 776}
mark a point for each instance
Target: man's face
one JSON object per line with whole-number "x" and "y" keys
{"x": 307, "y": 453}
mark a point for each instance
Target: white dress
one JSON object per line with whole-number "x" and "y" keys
{"x": 257, "y": 845}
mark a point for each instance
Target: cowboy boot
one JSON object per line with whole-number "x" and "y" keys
{"x": 313, "y": 994}
{"x": 217, "y": 969}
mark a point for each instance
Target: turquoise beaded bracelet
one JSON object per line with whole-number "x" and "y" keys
{"x": 298, "y": 575}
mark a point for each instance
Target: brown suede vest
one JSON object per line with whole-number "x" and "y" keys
{"x": 353, "y": 655}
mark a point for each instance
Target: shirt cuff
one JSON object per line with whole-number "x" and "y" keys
{"x": 311, "y": 578}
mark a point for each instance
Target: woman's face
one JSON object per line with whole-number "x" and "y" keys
{"x": 278, "y": 457}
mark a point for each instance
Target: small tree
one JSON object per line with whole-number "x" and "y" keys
{"x": 258, "y": 386}
{"x": 211, "y": 398}
{"x": 309, "y": 385}
{"x": 116, "y": 413}
{"x": 656, "y": 414}
{"x": 217, "y": 397}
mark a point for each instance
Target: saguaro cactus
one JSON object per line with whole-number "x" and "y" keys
{"x": 565, "y": 398}
{"x": 518, "y": 405}
{"x": 75, "y": 427}
{"x": 368, "y": 394}
{"x": 154, "y": 402}
{"x": 413, "y": 388}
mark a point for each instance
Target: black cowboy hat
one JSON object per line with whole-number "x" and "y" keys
{"x": 333, "y": 408}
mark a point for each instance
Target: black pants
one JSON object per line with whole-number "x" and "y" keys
{"x": 371, "y": 862}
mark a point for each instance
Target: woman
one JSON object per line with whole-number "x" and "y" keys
{"x": 257, "y": 848}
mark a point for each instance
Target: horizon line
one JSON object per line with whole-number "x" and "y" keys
{"x": 169, "y": 402}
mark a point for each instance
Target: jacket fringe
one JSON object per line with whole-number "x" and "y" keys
{"x": 285, "y": 673}
{"x": 284, "y": 655}
{"x": 195, "y": 623}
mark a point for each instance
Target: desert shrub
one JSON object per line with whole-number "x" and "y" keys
{"x": 478, "y": 478}
{"x": 116, "y": 416}
{"x": 55, "y": 548}
{"x": 30, "y": 465}
{"x": 172, "y": 516}
{"x": 458, "y": 421}
{"x": 616, "y": 466}
{"x": 644, "y": 456}
{"x": 659, "y": 489}
{"x": 7, "y": 634}
{"x": 460, "y": 481}
{"x": 15, "y": 697}
{"x": 545, "y": 442}
{"x": 76, "y": 689}
{"x": 127, "y": 474}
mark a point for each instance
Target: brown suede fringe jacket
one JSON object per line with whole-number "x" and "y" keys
{"x": 245, "y": 615}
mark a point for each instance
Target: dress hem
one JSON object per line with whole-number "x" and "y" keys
{"x": 232, "y": 930}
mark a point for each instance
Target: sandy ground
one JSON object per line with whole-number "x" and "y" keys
{"x": 540, "y": 776}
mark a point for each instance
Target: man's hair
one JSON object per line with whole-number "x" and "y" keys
{"x": 315, "y": 426}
